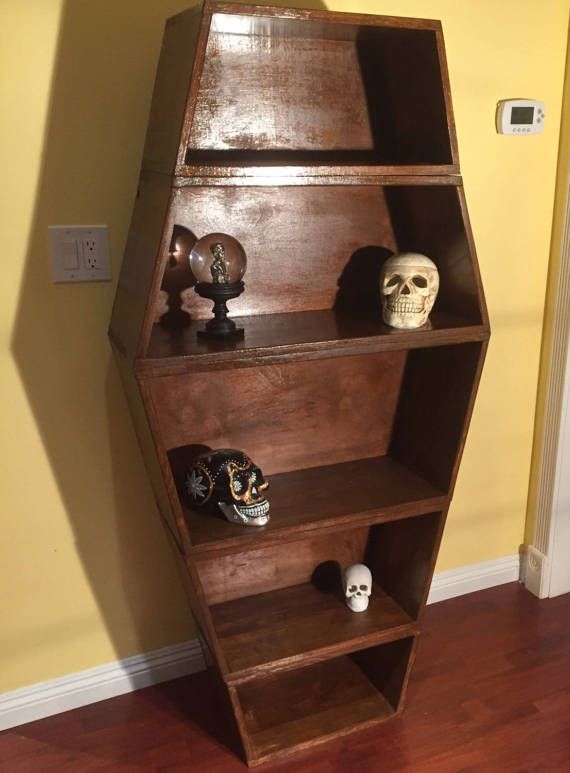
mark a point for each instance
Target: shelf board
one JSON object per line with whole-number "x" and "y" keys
{"x": 303, "y": 335}
{"x": 299, "y": 709}
{"x": 336, "y": 496}
{"x": 296, "y": 626}
{"x": 227, "y": 172}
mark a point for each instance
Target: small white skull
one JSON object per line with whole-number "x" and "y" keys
{"x": 357, "y": 587}
{"x": 408, "y": 283}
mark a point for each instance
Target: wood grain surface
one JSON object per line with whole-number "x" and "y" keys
{"x": 321, "y": 499}
{"x": 258, "y": 75}
{"x": 298, "y": 240}
{"x": 143, "y": 250}
{"x": 388, "y": 667}
{"x": 171, "y": 90}
{"x": 435, "y": 403}
{"x": 272, "y": 86}
{"x": 269, "y": 568}
{"x": 322, "y": 246}
{"x": 299, "y": 625}
{"x": 279, "y": 710}
{"x": 401, "y": 554}
{"x": 286, "y": 417}
{"x": 275, "y": 338}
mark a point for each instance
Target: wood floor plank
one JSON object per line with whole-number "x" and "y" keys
{"x": 490, "y": 692}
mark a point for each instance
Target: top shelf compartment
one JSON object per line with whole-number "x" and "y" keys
{"x": 294, "y": 90}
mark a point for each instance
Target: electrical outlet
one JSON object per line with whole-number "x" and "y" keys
{"x": 80, "y": 253}
{"x": 90, "y": 254}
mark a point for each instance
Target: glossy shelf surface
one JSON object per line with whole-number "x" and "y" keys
{"x": 295, "y": 710}
{"x": 303, "y": 335}
{"x": 308, "y": 501}
{"x": 294, "y": 626}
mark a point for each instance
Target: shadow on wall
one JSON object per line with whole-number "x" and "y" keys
{"x": 91, "y": 157}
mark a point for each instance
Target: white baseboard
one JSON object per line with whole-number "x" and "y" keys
{"x": 467, "y": 579}
{"x": 96, "y": 684}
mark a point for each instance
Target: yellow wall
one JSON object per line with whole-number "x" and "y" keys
{"x": 86, "y": 572}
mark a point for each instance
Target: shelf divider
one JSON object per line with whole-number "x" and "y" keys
{"x": 320, "y": 499}
{"x": 292, "y": 336}
{"x": 300, "y": 625}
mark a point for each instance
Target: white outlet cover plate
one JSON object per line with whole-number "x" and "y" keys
{"x": 80, "y": 253}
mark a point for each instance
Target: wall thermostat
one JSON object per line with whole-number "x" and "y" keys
{"x": 520, "y": 116}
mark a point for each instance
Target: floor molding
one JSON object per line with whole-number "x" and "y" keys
{"x": 96, "y": 684}
{"x": 467, "y": 579}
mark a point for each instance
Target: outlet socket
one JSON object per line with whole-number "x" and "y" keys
{"x": 80, "y": 253}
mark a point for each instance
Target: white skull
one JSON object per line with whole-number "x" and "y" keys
{"x": 357, "y": 587}
{"x": 408, "y": 283}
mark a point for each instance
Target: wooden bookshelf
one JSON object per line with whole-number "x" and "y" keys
{"x": 324, "y": 142}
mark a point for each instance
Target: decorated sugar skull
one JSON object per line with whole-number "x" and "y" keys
{"x": 357, "y": 587}
{"x": 227, "y": 481}
{"x": 408, "y": 285}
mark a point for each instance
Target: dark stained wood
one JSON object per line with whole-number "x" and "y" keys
{"x": 348, "y": 173}
{"x": 430, "y": 221}
{"x": 319, "y": 88}
{"x": 281, "y": 713}
{"x": 413, "y": 130}
{"x": 490, "y": 692}
{"x": 170, "y": 96}
{"x": 272, "y": 338}
{"x": 388, "y": 668}
{"x": 237, "y": 80}
{"x": 285, "y": 417}
{"x": 279, "y": 77}
{"x": 473, "y": 252}
{"x": 265, "y": 569}
{"x": 324, "y": 142}
{"x": 399, "y": 552}
{"x": 157, "y": 462}
{"x": 321, "y": 19}
{"x": 167, "y": 503}
{"x": 296, "y": 240}
{"x": 144, "y": 245}
{"x": 299, "y": 625}
{"x": 144, "y": 420}
{"x": 321, "y": 499}
{"x": 435, "y": 403}
{"x": 298, "y": 244}
{"x": 400, "y": 556}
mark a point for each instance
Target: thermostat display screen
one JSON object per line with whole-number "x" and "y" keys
{"x": 522, "y": 115}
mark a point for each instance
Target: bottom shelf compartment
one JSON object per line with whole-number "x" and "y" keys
{"x": 298, "y": 709}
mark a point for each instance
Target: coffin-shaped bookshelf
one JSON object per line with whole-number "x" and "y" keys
{"x": 324, "y": 143}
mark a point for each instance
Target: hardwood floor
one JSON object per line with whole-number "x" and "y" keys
{"x": 490, "y": 691}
